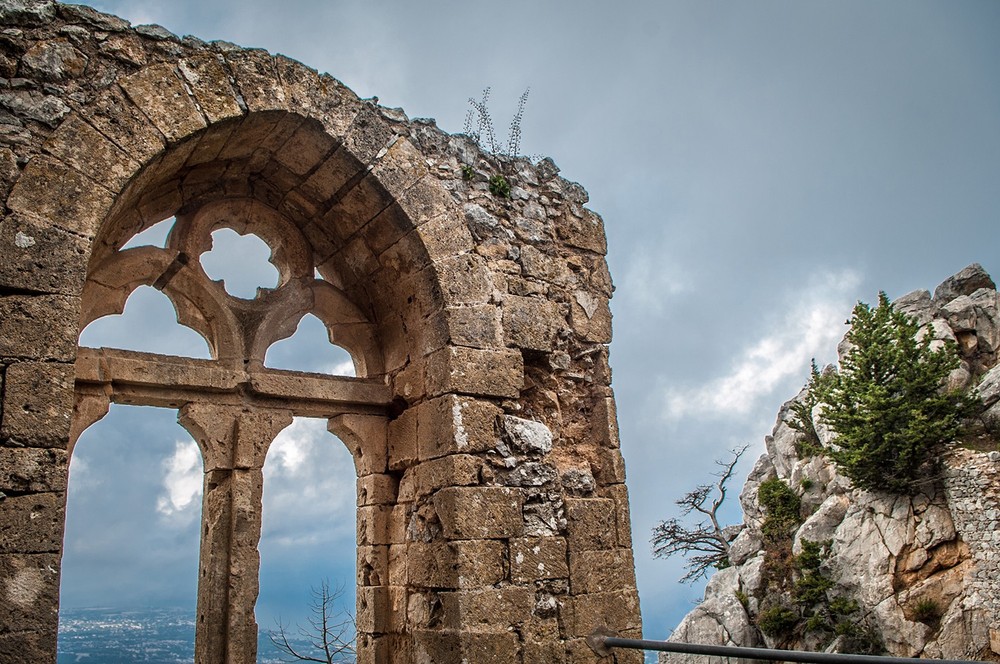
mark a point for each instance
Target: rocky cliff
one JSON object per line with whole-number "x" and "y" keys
{"x": 903, "y": 575}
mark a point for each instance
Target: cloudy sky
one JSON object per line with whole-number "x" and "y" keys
{"x": 760, "y": 167}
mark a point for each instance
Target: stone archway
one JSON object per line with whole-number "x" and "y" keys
{"x": 492, "y": 519}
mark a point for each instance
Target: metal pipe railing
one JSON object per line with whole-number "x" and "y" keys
{"x": 601, "y": 640}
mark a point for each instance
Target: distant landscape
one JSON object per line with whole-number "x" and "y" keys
{"x": 124, "y": 636}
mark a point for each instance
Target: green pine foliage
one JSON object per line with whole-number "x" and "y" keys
{"x": 887, "y": 404}
{"x": 781, "y": 509}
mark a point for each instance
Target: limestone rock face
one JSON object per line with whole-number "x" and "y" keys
{"x": 923, "y": 569}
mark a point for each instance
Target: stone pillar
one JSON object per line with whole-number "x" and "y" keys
{"x": 234, "y": 442}
{"x": 380, "y": 524}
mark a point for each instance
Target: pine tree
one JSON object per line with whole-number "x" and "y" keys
{"x": 887, "y": 404}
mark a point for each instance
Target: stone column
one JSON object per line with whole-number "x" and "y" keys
{"x": 234, "y": 442}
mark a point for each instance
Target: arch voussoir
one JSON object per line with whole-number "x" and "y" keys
{"x": 161, "y": 94}
{"x": 256, "y": 76}
{"x": 318, "y": 96}
{"x": 209, "y": 81}
{"x": 79, "y": 145}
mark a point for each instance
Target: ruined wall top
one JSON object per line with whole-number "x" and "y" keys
{"x": 493, "y": 516}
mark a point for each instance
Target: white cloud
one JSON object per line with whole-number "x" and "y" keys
{"x": 182, "y": 482}
{"x": 309, "y": 487}
{"x": 345, "y": 368}
{"x": 291, "y": 448}
{"x": 81, "y": 475}
{"x": 649, "y": 280}
{"x": 810, "y": 329}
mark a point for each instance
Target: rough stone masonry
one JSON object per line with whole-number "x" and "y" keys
{"x": 492, "y": 517}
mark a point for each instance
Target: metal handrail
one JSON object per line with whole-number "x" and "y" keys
{"x": 601, "y": 640}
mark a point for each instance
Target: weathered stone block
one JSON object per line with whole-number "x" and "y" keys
{"x": 591, "y": 317}
{"x": 367, "y": 438}
{"x": 257, "y": 79}
{"x": 28, "y": 647}
{"x": 548, "y": 652}
{"x": 403, "y": 440}
{"x": 211, "y": 87}
{"x": 427, "y": 200}
{"x": 535, "y": 558}
{"x": 583, "y": 232}
{"x": 307, "y": 148}
{"x": 38, "y": 404}
{"x": 81, "y": 146}
{"x": 50, "y": 190}
{"x": 604, "y": 423}
{"x": 126, "y": 48}
{"x": 400, "y": 167}
{"x": 29, "y": 585}
{"x": 477, "y": 326}
{"x": 479, "y": 512}
{"x": 531, "y": 322}
{"x": 459, "y": 646}
{"x": 41, "y": 257}
{"x": 623, "y": 522}
{"x": 429, "y": 476}
{"x": 445, "y": 236}
{"x": 452, "y": 424}
{"x": 53, "y": 60}
{"x": 359, "y": 257}
{"x": 377, "y": 489}
{"x": 32, "y": 469}
{"x": 617, "y": 610}
{"x": 39, "y": 327}
{"x": 317, "y": 95}
{"x": 398, "y": 565}
{"x": 601, "y": 571}
{"x": 386, "y": 230}
{"x": 490, "y": 609}
{"x": 375, "y": 525}
{"x": 539, "y": 265}
{"x": 473, "y": 371}
{"x": 326, "y": 180}
{"x": 374, "y": 610}
{"x": 209, "y": 144}
{"x": 457, "y": 565}
{"x": 373, "y": 565}
{"x": 527, "y": 436}
{"x": 159, "y": 91}
{"x": 398, "y": 522}
{"x": 32, "y": 523}
{"x": 591, "y": 523}
{"x": 367, "y": 135}
{"x": 609, "y": 467}
{"x": 464, "y": 280}
{"x": 34, "y": 105}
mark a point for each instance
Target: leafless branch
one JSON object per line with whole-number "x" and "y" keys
{"x": 706, "y": 544}
{"x": 330, "y": 635}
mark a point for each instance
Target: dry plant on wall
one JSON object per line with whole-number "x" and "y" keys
{"x": 479, "y": 127}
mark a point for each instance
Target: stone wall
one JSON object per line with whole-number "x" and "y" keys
{"x": 493, "y": 517}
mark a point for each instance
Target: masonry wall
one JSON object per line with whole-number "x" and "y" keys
{"x": 493, "y": 515}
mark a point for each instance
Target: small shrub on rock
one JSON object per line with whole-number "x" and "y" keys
{"x": 781, "y": 508}
{"x": 778, "y": 622}
{"x": 927, "y": 611}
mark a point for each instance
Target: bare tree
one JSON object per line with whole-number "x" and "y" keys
{"x": 706, "y": 544}
{"x": 331, "y": 634}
